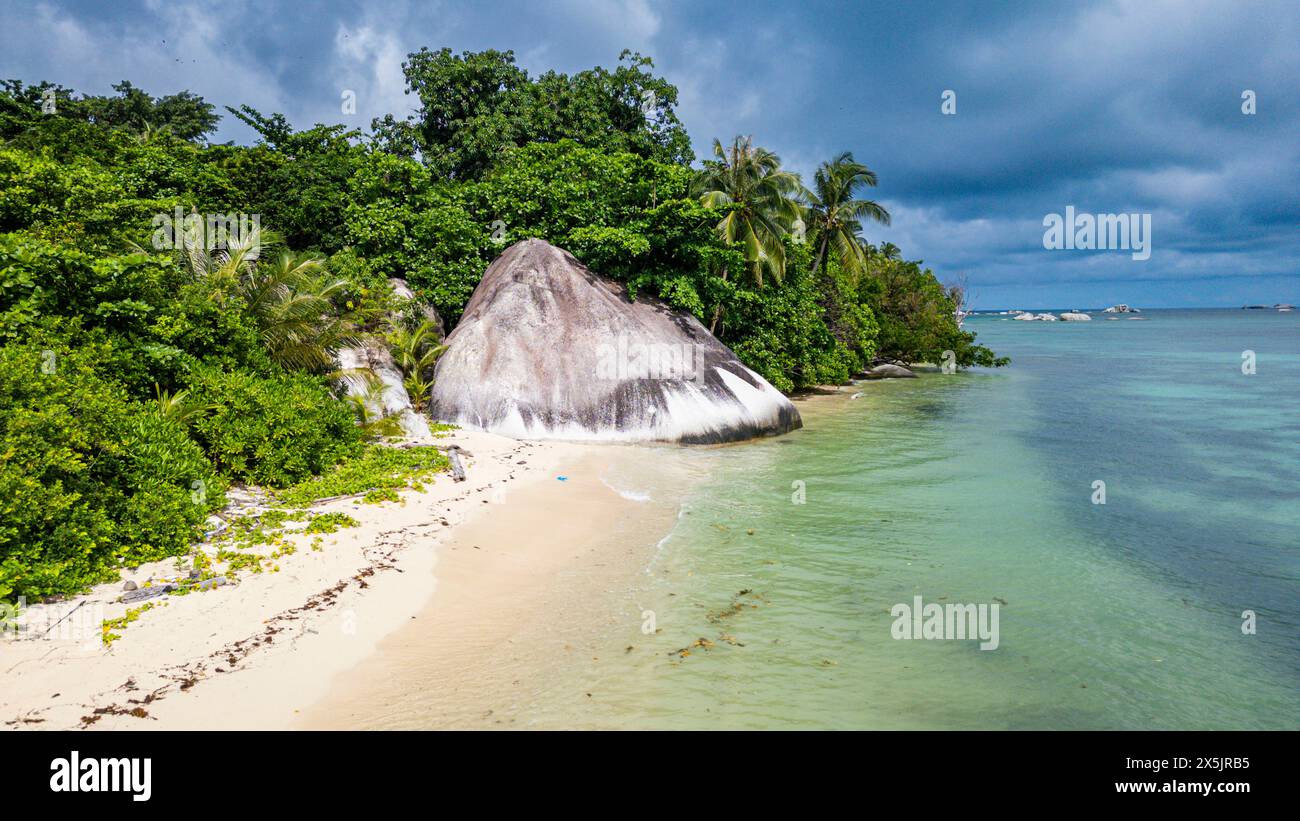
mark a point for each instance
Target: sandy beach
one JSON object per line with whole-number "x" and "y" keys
{"x": 443, "y": 579}
{"x": 521, "y": 601}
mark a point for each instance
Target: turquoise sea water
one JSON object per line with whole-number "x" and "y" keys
{"x": 978, "y": 488}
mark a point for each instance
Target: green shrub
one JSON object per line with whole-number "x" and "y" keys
{"x": 916, "y": 315}
{"x": 198, "y": 327}
{"x": 89, "y": 480}
{"x": 435, "y": 244}
{"x": 780, "y": 331}
{"x": 273, "y": 430}
{"x": 378, "y": 467}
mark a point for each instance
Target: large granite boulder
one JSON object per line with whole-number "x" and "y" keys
{"x": 546, "y": 349}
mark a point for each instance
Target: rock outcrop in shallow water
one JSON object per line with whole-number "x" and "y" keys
{"x": 888, "y": 370}
{"x": 546, "y": 349}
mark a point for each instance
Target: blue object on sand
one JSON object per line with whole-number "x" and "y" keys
{"x": 562, "y": 478}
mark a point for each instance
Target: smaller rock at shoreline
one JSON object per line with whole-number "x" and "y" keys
{"x": 1075, "y": 316}
{"x": 886, "y": 370}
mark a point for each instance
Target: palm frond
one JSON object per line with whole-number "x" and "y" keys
{"x": 178, "y": 407}
{"x": 416, "y": 353}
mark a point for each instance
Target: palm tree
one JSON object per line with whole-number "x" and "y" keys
{"x": 416, "y": 352}
{"x": 222, "y": 268}
{"x": 148, "y": 133}
{"x": 837, "y": 216}
{"x": 763, "y": 200}
{"x": 290, "y": 297}
{"x": 368, "y": 406}
{"x": 889, "y": 250}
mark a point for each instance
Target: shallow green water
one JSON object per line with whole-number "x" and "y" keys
{"x": 978, "y": 488}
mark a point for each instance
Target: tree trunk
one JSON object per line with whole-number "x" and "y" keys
{"x": 817, "y": 263}
{"x": 717, "y": 312}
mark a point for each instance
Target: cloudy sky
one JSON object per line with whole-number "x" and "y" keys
{"x": 1110, "y": 107}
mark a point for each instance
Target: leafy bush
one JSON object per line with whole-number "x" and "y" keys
{"x": 192, "y": 327}
{"x": 378, "y": 467}
{"x": 89, "y": 480}
{"x": 427, "y": 238}
{"x": 783, "y": 330}
{"x": 271, "y": 430}
{"x": 916, "y": 315}
{"x": 784, "y": 339}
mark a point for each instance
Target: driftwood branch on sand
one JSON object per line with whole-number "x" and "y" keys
{"x": 457, "y": 469}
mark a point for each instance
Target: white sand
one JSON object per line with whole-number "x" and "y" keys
{"x": 523, "y": 599}
{"x": 258, "y": 654}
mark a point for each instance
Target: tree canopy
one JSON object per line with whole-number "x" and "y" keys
{"x": 475, "y": 106}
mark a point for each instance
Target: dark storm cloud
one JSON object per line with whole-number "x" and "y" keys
{"x": 1110, "y": 107}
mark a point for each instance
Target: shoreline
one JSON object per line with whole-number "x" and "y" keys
{"x": 519, "y": 599}
{"x": 530, "y": 610}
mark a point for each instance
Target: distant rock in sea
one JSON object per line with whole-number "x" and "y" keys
{"x": 1121, "y": 308}
{"x": 547, "y": 349}
{"x": 1075, "y": 316}
{"x": 1026, "y": 316}
{"x": 887, "y": 370}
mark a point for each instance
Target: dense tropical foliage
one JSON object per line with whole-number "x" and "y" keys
{"x": 140, "y": 376}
